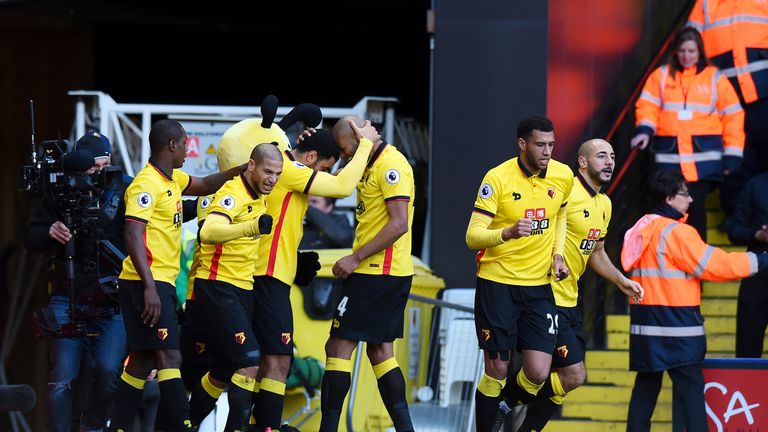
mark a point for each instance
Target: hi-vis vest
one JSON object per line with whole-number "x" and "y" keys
{"x": 735, "y": 34}
{"x": 669, "y": 259}
{"x": 696, "y": 119}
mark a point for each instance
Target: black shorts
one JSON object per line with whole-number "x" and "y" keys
{"x": 227, "y": 312}
{"x": 194, "y": 338}
{"x": 272, "y": 315}
{"x": 141, "y": 337}
{"x": 571, "y": 346}
{"x": 371, "y": 308}
{"x": 511, "y": 316}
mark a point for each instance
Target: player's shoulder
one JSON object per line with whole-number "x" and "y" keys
{"x": 146, "y": 179}
{"x": 393, "y": 156}
{"x": 557, "y": 170}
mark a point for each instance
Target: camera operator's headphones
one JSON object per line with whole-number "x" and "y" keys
{"x": 239, "y": 140}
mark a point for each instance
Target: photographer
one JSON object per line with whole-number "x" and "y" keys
{"x": 98, "y": 328}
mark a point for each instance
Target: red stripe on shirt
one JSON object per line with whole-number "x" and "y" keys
{"x": 478, "y": 257}
{"x": 387, "y": 259}
{"x": 276, "y": 235}
{"x": 215, "y": 263}
{"x": 149, "y": 252}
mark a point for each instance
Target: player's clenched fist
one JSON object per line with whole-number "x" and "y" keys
{"x": 521, "y": 228}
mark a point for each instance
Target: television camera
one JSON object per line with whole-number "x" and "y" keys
{"x": 86, "y": 203}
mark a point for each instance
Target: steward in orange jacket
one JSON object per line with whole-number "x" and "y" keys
{"x": 696, "y": 120}
{"x": 694, "y": 116}
{"x": 669, "y": 260}
{"x": 736, "y": 36}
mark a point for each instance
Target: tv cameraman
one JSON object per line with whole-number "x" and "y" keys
{"x": 46, "y": 233}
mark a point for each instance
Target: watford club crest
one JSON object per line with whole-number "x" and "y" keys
{"x": 285, "y": 338}
{"x": 486, "y": 334}
{"x": 162, "y": 333}
{"x": 240, "y": 337}
{"x": 562, "y": 351}
{"x": 336, "y": 323}
{"x": 199, "y": 347}
{"x": 551, "y": 192}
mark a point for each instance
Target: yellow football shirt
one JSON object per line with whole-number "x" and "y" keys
{"x": 233, "y": 261}
{"x": 589, "y": 214}
{"x": 288, "y": 202}
{"x": 154, "y": 199}
{"x": 510, "y": 192}
{"x": 203, "y": 205}
{"x": 388, "y": 177}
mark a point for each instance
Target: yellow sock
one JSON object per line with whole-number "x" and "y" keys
{"x": 338, "y": 364}
{"x": 132, "y": 381}
{"x": 243, "y": 382}
{"x": 557, "y": 387}
{"x": 526, "y": 384}
{"x": 490, "y": 386}
{"x": 382, "y": 368}
{"x": 272, "y": 386}
{"x": 210, "y": 387}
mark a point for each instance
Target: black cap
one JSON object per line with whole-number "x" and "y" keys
{"x": 96, "y": 143}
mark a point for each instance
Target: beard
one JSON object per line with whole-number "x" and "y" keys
{"x": 595, "y": 175}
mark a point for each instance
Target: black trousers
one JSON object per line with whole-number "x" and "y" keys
{"x": 755, "y": 154}
{"x": 697, "y": 212}
{"x": 752, "y": 316}
{"x": 687, "y": 397}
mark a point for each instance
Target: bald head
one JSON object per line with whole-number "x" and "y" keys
{"x": 596, "y": 162}
{"x": 590, "y": 147}
{"x": 266, "y": 151}
{"x": 345, "y": 136}
{"x": 264, "y": 168}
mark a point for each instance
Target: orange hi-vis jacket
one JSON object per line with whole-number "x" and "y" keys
{"x": 735, "y": 34}
{"x": 669, "y": 259}
{"x": 695, "y": 119}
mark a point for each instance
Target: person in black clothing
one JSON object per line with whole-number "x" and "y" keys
{"x": 749, "y": 226}
{"x": 325, "y": 229}
{"x": 47, "y": 234}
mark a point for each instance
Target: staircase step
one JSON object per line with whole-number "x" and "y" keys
{"x": 593, "y": 426}
{"x": 713, "y": 201}
{"x": 623, "y": 378}
{"x": 720, "y": 289}
{"x": 611, "y": 411}
{"x": 718, "y": 307}
{"x": 714, "y": 218}
{"x": 617, "y": 324}
{"x": 601, "y": 359}
{"x": 733, "y": 248}
{"x": 610, "y": 394}
{"x": 716, "y": 237}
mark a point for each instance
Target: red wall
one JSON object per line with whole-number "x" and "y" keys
{"x": 589, "y": 41}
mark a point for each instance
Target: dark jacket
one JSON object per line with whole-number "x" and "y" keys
{"x": 326, "y": 231}
{"x": 89, "y": 267}
{"x": 750, "y": 214}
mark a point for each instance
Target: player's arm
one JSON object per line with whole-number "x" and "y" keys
{"x": 602, "y": 265}
{"x": 135, "y": 233}
{"x": 396, "y": 226}
{"x": 479, "y": 236}
{"x": 343, "y": 183}
{"x": 559, "y": 268}
{"x": 218, "y": 228}
{"x": 209, "y": 184}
